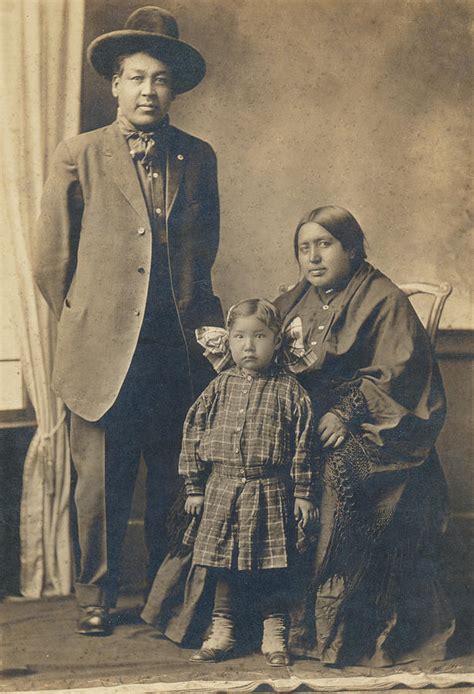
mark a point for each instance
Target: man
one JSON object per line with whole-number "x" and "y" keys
{"x": 126, "y": 240}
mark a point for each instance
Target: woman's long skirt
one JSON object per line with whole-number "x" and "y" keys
{"x": 371, "y": 593}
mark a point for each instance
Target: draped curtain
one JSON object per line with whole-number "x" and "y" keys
{"x": 41, "y": 49}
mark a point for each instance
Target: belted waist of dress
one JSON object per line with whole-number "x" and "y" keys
{"x": 251, "y": 472}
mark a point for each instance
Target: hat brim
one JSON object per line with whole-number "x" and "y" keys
{"x": 188, "y": 65}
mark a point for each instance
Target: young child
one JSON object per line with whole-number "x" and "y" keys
{"x": 248, "y": 466}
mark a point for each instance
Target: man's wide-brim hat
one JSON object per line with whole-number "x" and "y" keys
{"x": 154, "y": 30}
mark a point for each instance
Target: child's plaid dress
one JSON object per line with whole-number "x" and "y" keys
{"x": 248, "y": 446}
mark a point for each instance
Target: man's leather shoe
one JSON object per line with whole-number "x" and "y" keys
{"x": 209, "y": 655}
{"x": 93, "y": 621}
{"x": 277, "y": 658}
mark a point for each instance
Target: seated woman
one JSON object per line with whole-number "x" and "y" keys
{"x": 371, "y": 594}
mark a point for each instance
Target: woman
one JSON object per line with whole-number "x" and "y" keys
{"x": 371, "y": 594}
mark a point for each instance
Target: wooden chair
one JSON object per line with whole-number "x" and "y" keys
{"x": 438, "y": 292}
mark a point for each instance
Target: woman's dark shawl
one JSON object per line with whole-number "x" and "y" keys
{"x": 382, "y": 493}
{"x": 377, "y": 344}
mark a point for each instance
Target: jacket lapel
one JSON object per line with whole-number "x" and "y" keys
{"x": 176, "y": 161}
{"x": 122, "y": 170}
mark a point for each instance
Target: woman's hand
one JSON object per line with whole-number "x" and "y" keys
{"x": 304, "y": 512}
{"x": 194, "y": 504}
{"x": 331, "y": 430}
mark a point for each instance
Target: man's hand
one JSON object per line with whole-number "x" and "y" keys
{"x": 194, "y": 504}
{"x": 331, "y": 430}
{"x": 304, "y": 512}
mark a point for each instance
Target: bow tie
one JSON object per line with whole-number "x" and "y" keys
{"x": 143, "y": 144}
{"x": 143, "y": 148}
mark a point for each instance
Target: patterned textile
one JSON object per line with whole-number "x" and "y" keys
{"x": 143, "y": 145}
{"x": 350, "y": 404}
{"x": 248, "y": 443}
{"x": 296, "y": 356}
{"x": 216, "y": 346}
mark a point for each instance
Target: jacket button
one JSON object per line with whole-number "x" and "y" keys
{"x": 325, "y": 307}
{"x": 141, "y": 270}
{"x": 141, "y": 231}
{"x": 180, "y": 157}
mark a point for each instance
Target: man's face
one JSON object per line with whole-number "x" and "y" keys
{"x": 143, "y": 90}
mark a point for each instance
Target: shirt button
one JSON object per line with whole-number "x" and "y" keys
{"x": 241, "y": 409}
{"x": 321, "y": 327}
{"x": 249, "y": 378}
{"x": 136, "y": 312}
{"x": 158, "y": 210}
{"x": 236, "y": 450}
{"x": 245, "y": 392}
{"x": 141, "y": 231}
{"x": 314, "y": 342}
{"x": 155, "y": 175}
{"x": 244, "y": 479}
{"x": 325, "y": 307}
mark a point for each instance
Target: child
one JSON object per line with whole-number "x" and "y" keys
{"x": 247, "y": 463}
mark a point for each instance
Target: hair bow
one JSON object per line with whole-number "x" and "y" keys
{"x": 216, "y": 346}
{"x": 293, "y": 353}
{"x": 296, "y": 357}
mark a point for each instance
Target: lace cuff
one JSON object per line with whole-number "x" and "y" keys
{"x": 350, "y": 405}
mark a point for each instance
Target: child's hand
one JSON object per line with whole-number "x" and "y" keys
{"x": 194, "y": 504}
{"x": 304, "y": 512}
{"x": 331, "y": 430}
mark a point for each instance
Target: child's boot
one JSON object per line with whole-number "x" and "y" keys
{"x": 219, "y": 643}
{"x": 274, "y": 640}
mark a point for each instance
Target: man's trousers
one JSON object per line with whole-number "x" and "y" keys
{"x": 146, "y": 420}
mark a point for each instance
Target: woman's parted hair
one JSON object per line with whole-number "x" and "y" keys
{"x": 262, "y": 309}
{"x": 341, "y": 224}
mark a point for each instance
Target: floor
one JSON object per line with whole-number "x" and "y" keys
{"x": 41, "y": 652}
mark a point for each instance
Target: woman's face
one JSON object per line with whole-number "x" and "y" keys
{"x": 323, "y": 260}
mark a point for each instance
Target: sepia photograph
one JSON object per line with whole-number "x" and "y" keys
{"x": 236, "y": 346}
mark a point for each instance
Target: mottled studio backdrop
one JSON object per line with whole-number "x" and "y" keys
{"x": 360, "y": 103}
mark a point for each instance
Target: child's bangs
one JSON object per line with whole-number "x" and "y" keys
{"x": 262, "y": 309}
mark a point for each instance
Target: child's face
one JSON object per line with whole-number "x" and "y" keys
{"x": 252, "y": 344}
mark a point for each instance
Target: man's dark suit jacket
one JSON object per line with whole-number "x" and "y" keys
{"x": 93, "y": 236}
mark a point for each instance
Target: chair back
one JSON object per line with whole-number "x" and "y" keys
{"x": 439, "y": 294}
